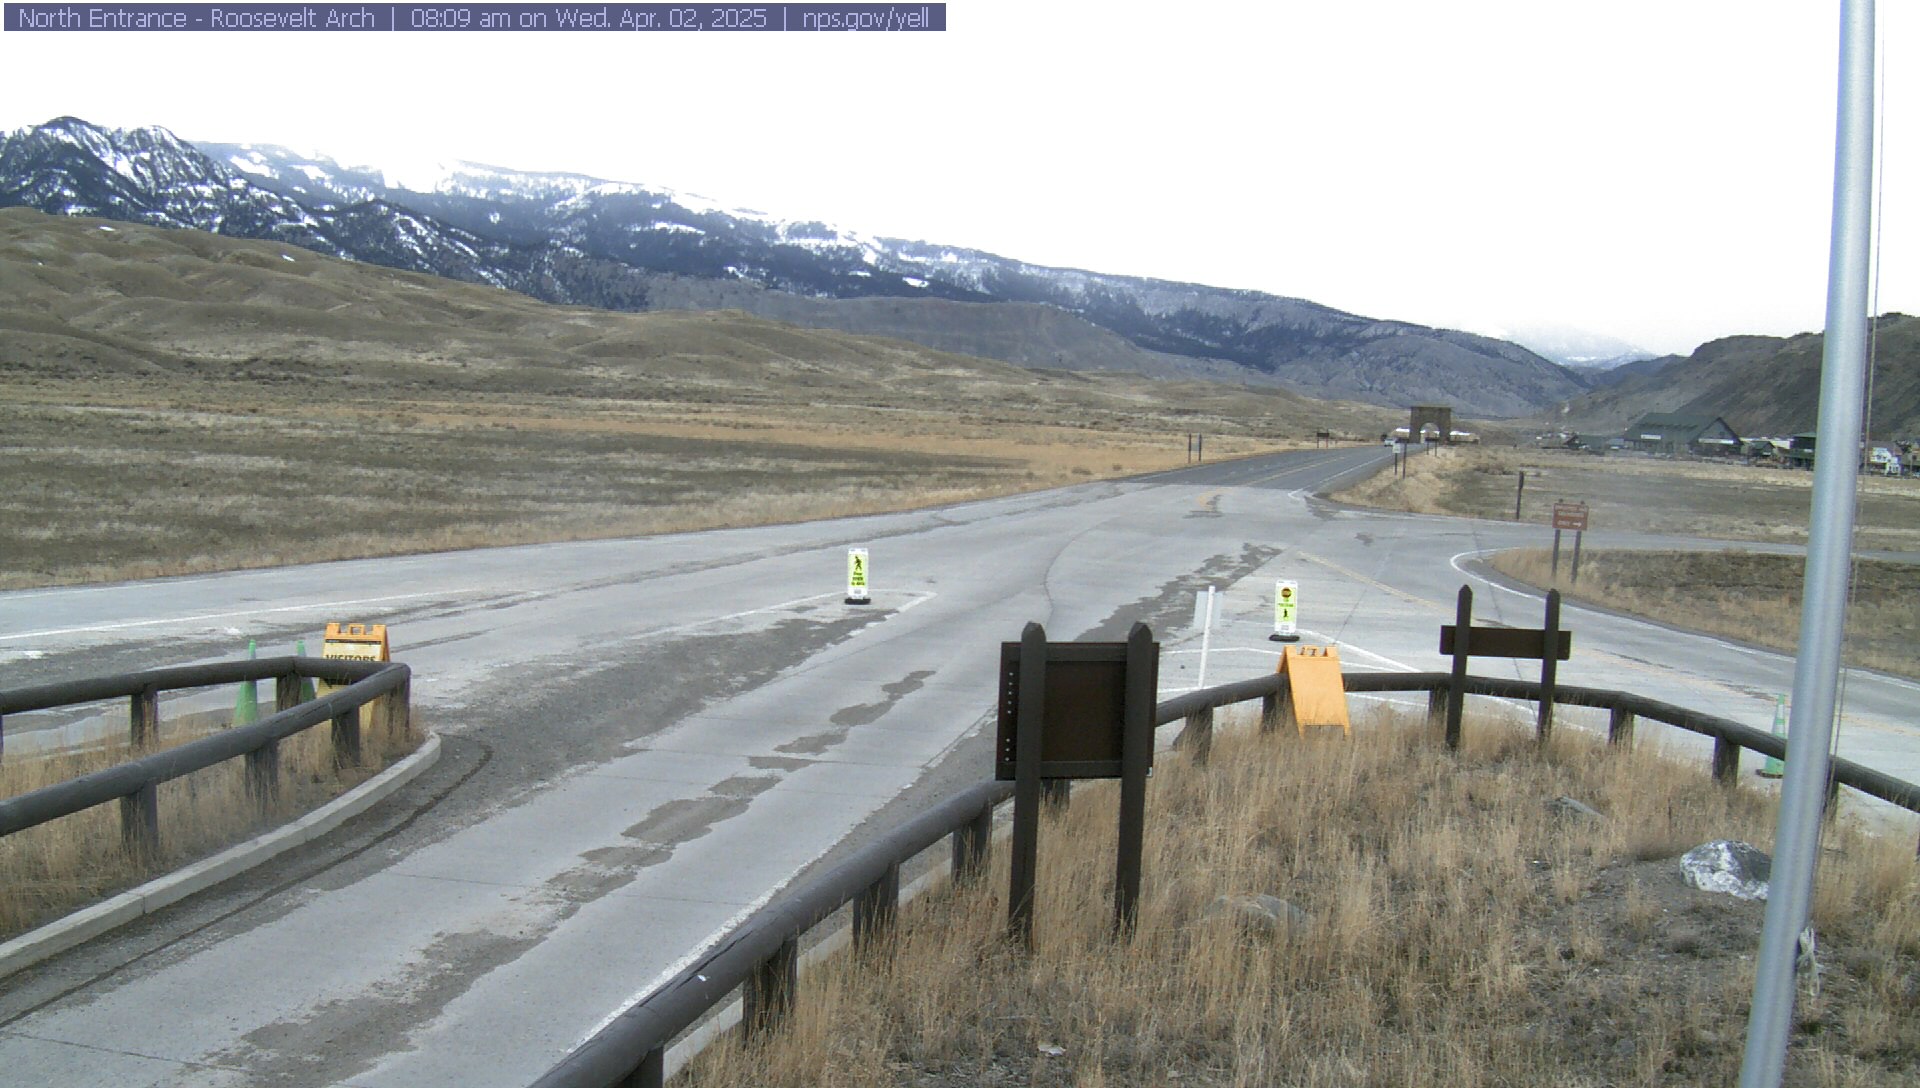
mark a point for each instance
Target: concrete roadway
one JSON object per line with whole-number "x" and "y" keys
{"x": 646, "y": 739}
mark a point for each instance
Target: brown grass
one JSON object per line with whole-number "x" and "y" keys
{"x": 50, "y": 870}
{"x": 175, "y": 402}
{"x": 1461, "y": 933}
{"x": 127, "y": 488}
{"x": 1721, "y": 501}
{"x": 1739, "y": 594}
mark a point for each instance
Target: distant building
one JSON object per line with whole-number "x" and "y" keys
{"x": 1800, "y": 451}
{"x": 1671, "y": 434}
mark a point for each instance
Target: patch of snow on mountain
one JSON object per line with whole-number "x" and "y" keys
{"x": 698, "y": 204}
{"x": 251, "y": 164}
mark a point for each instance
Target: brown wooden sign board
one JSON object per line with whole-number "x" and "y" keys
{"x": 1570, "y": 516}
{"x": 1520, "y": 642}
{"x": 1085, "y": 700}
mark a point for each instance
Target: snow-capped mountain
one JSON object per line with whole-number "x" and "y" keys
{"x": 1576, "y": 348}
{"x": 584, "y": 241}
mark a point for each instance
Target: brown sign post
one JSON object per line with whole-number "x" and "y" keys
{"x": 1076, "y": 710}
{"x": 1568, "y": 516}
{"x": 1549, "y": 646}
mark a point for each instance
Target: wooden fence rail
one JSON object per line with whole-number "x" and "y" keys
{"x": 758, "y": 958}
{"x": 135, "y": 783}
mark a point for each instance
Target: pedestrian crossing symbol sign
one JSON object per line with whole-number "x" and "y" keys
{"x": 859, "y": 575}
{"x": 1286, "y": 603}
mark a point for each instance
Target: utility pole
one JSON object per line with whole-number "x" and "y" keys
{"x": 1816, "y": 673}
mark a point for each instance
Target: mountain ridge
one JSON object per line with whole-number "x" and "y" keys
{"x": 1761, "y": 385}
{"x": 576, "y": 240}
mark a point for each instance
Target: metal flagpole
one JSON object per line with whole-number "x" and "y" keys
{"x": 1829, "y": 541}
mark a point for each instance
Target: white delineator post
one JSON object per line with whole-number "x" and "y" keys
{"x": 1206, "y": 634}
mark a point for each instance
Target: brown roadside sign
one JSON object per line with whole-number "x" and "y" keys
{"x": 1570, "y": 515}
{"x": 1521, "y": 642}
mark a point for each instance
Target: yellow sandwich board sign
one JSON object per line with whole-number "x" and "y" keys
{"x": 1316, "y": 694}
{"x": 859, "y": 573}
{"x": 356, "y": 641}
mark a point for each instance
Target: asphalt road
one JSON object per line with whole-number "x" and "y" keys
{"x": 646, "y": 739}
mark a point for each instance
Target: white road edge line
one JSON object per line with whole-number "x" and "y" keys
{"x": 201, "y": 618}
{"x": 1575, "y": 606}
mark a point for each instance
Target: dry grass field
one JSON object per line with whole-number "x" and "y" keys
{"x": 1741, "y": 594}
{"x": 107, "y": 488}
{"x": 1640, "y": 494}
{"x": 52, "y": 869}
{"x": 174, "y": 402}
{"x": 1456, "y": 929}
{"x": 1738, "y": 594}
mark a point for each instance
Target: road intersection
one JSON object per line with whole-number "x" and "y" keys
{"x": 645, "y": 739}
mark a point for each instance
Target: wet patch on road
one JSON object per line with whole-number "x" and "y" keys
{"x": 689, "y": 818}
{"x": 1172, "y": 606}
{"x": 777, "y": 763}
{"x": 609, "y": 868}
{"x": 848, "y": 718}
{"x": 326, "y": 1046}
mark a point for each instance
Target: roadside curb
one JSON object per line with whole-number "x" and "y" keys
{"x": 84, "y": 925}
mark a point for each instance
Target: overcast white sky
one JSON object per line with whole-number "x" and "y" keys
{"x": 1656, "y": 170}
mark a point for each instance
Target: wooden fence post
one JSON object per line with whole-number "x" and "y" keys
{"x": 1196, "y": 737}
{"x": 1726, "y": 761}
{"x": 767, "y": 998}
{"x": 1549, "y": 666}
{"x": 346, "y": 739}
{"x": 140, "y": 824}
{"x": 970, "y": 845}
{"x": 1620, "y": 727}
{"x": 875, "y": 908}
{"x": 1457, "y": 687}
{"x": 286, "y": 691}
{"x": 143, "y": 717}
{"x": 263, "y": 775}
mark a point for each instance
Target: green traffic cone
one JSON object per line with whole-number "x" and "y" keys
{"x": 246, "y": 708}
{"x": 306, "y": 682}
{"x": 1774, "y": 767}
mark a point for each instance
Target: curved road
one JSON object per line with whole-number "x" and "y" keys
{"x": 646, "y": 739}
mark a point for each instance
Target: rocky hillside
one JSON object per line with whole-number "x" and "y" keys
{"x": 97, "y": 304}
{"x": 1761, "y": 385}
{"x": 584, "y": 241}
